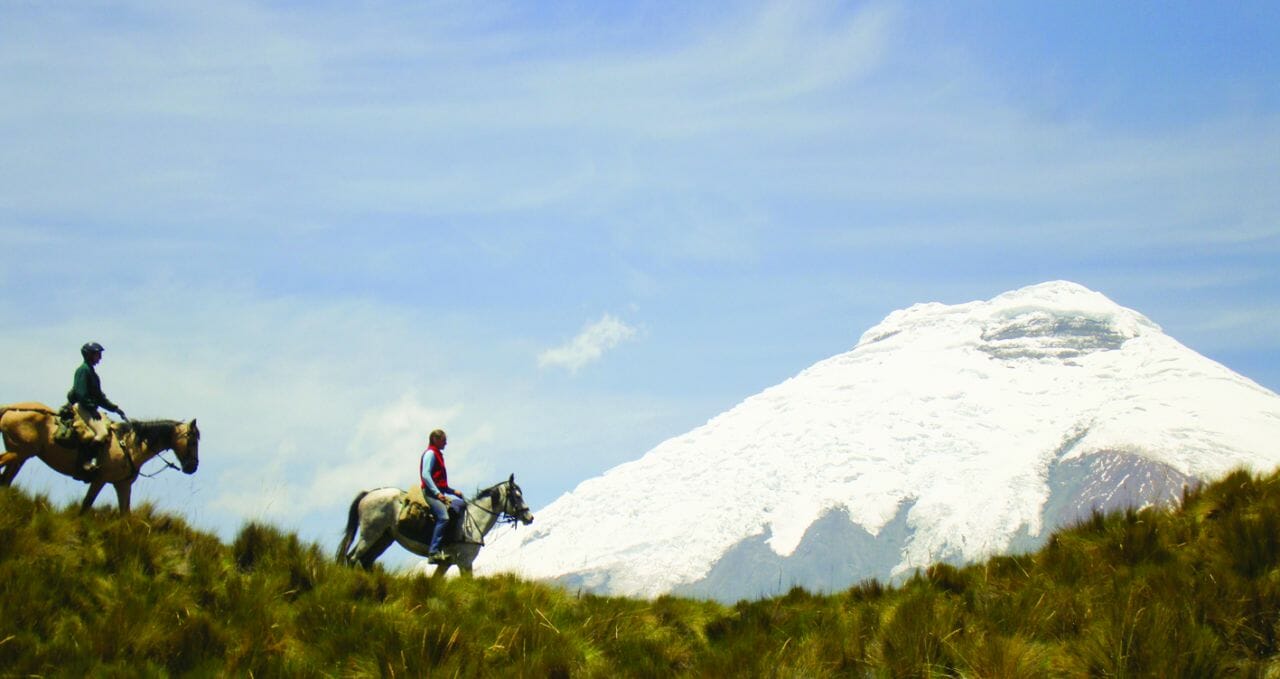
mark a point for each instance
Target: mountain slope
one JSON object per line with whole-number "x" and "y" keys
{"x": 948, "y": 433}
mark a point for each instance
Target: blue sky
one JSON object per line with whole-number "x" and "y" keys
{"x": 566, "y": 232}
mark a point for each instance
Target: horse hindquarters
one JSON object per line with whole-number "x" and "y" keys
{"x": 10, "y": 461}
{"x": 372, "y": 517}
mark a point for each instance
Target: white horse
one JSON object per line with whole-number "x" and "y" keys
{"x": 376, "y": 513}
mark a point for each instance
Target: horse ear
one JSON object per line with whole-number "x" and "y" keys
{"x": 193, "y": 425}
{"x": 512, "y": 480}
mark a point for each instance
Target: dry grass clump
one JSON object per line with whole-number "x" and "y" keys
{"x": 1189, "y": 592}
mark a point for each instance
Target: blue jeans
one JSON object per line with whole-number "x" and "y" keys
{"x": 442, "y": 517}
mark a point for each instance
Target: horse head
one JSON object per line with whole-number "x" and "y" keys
{"x": 186, "y": 445}
{"x": 513, "y": 503}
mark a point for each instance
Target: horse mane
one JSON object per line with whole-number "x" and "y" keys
{"x": 154, "y": 432}
{"x": 491, "y": 492}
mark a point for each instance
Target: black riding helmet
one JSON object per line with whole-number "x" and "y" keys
{"x": 90, "y": 348}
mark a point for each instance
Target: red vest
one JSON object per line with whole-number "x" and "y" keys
{"x": 438, "y": 475}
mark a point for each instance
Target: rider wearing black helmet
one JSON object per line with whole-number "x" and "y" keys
{"x": 86, "y": 397}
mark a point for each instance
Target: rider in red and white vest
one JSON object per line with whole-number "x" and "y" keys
{"x": 435, "y": 488}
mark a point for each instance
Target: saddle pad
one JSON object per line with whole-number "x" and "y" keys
{"x": 415, "y": 495}
{"x": 66, "y": 435}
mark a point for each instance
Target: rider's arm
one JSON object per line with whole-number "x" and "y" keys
{"x": 102, "y": 399}
{"x": 88, "y": 390}
{"x": 107, "y": 404}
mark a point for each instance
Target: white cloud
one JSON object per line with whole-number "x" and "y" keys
{"x": 589, "y": 346}
{"x": 382, "y": 451}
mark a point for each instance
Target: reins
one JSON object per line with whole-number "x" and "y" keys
{"x": 137, "y": 470}
{"x": 160, "y": 456}
{"x": 503, "y": 516}
{"x": 500, "y": 516}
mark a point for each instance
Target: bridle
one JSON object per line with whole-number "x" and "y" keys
{"x": 504, "y": 514}
{"x": 186, "y": 435}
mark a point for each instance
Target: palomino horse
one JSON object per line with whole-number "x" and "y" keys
{"x": 28, "y": 432}
{"x": 376, "y": 513}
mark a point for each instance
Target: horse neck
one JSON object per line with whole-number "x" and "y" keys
{"x": 483, "y": 513}
{"x": 144, "y": 449}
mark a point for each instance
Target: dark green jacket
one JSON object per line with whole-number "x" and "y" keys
{"x": 86, "y": 389}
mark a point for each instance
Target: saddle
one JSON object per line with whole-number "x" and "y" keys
{"x": 417, "y": 522}
{"x": 72, "y": 433}
{"x": 66, "y": 435}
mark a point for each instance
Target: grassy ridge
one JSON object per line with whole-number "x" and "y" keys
{"x": 1190, "y": 592}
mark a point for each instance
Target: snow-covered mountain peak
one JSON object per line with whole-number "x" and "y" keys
{"x": 1059, "y": 319}
{"x": 949, "y": 432}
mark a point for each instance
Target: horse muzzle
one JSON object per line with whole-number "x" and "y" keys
{"x": 526, "y": 518}
{"x": 190, "y": 468}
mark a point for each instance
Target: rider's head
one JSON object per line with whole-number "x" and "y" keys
{"x": 438, "y": 439}
{"x": 91, "y": 349}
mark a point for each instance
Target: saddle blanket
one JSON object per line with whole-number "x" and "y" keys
{"x": 416, "y": 520}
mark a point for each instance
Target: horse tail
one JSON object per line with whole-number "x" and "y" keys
{"x": 353, "y": 519}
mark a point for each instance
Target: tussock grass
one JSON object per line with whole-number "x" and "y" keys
{"x": 1192, "y": 592}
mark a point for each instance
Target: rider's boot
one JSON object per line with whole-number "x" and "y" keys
{"x": 87, "y": 461}
{"x": 437, "y": 555}
{"x": 91, "y": 456}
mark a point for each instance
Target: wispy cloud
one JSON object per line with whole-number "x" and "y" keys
{"x": 589, "y": 346}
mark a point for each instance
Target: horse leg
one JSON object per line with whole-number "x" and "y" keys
{"x": 363, "y": 545}
{"x": 11, "y": 463}
{"x": 95, "y": 487}
{"x": 123, "y": 490}
{"x": 369, "y": 554}
{"x": 463, "y": 557}
{"x": 440, "y": 570}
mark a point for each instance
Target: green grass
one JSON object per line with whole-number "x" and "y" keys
{"x": 1192, "y": 592}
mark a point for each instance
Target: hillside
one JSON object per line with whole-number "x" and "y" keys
{"x": 1194, "y": 591}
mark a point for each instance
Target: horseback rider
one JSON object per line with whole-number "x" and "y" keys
{"x": 86, "y": 398}
{"x": 435, "y": 488}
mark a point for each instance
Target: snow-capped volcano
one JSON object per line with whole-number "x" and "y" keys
{"x": 948, "y": 433}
